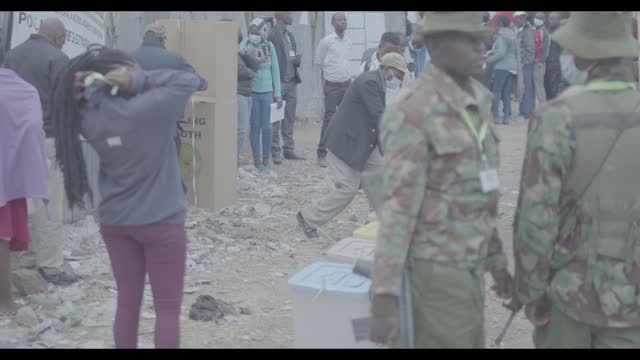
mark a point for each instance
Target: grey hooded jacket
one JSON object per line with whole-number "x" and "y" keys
{"x": 139, "y": 179}
{"x": 504, "y": 51}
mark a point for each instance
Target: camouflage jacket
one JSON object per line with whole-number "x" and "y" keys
{"x": 434, "y": 208}
{"x": 548, "y": 252}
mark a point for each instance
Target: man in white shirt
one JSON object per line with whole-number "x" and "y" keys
{"x": 389, "y": 42}
{"x": 333, "y": 54}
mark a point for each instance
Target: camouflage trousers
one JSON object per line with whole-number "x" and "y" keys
{"x": 448, "y": 306}
{"x": 565, "y": 332}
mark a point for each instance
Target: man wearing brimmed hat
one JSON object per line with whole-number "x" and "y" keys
{"x": 577, "y": 226}
{"x": 354, "y": 155}
{"x": 440, "y": 195}
{"x": 152, "y": 55}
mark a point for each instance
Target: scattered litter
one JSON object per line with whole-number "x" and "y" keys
{"x": 207, "y": 308}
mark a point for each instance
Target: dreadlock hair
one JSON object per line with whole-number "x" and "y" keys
{"x": 65, "y": 116}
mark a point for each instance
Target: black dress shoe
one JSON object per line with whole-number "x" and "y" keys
{"x": 293, "y": 156}
{"x": 277, "y": 159}
{"x": 310, "y": 232}
{"x": 60, "y": 279}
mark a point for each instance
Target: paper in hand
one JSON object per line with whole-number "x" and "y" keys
{"x": 277, "y": 114}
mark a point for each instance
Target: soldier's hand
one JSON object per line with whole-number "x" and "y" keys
{"x": 385, "y": 322}
{"x": 384, "y": 329}
{"x": 537, "y": 312}
{"x": 502, "y": 283}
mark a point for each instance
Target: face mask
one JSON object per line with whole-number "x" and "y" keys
{"x": 255, "y": 39}
{"x": 570, "y": 72}
{"x": 394, "y": 83}
{"x": 538, "y": 22}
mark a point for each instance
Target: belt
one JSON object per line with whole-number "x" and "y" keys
{"x": 332, "y": 83}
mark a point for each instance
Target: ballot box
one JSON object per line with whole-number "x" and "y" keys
{"x": 327, "y": 297}
{"x": 368, "y": 232}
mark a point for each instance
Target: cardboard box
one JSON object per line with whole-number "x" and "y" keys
{"x": 211, "y": 48}
{"x": 213, "y": 158}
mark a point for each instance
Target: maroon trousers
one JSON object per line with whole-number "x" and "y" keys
{"x": 160, "y": 251}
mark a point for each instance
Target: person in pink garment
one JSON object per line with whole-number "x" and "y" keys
{"x": 23, "y": 171}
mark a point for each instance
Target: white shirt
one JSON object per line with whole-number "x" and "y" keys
{"x": 333, "y": 55}
{"x": 375, "y": 63}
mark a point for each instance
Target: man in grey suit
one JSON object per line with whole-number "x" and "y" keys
{"x": 289, "y": 61}
{"x": 355, "y": 157}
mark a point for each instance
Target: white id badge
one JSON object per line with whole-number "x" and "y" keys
{"x": 292, "y": 53}
{"x": 489, "y": 179}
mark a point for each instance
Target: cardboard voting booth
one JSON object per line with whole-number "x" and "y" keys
{"x": 209, "y": 136}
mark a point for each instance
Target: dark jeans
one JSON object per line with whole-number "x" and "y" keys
{"x": 502, "y": 87}
{"x": 529, "y": 98}
{"x": 553, "y": 82}
{"x": 285, "y": 126}
{"x": 333, "y": 95}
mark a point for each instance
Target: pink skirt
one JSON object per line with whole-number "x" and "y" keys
{"x": 14, "y": 224}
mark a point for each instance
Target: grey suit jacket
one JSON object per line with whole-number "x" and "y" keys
{"x": 352, "y": 133}
{"x": 39, "y": 63}
{"x": 278, "y": 40}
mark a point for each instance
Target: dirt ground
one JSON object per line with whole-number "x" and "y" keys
{"x": 244, "y": 256}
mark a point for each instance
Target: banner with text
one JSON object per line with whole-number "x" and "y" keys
{"x": 83, "y": 28}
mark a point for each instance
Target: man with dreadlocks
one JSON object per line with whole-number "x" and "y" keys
{"x": 129, "y": 116}
{"x": 38, "y": 60}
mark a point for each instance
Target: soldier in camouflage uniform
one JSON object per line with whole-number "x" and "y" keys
{"x": 440, "y": 194}
{"x": 576, "y": 234}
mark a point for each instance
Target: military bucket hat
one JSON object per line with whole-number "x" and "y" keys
{"x": 597, "y": 35}
{"x": 468, "y": 22}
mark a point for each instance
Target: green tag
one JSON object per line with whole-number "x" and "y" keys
{"x": 91, "y": 78}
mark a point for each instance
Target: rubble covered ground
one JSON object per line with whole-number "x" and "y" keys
{"x": 239, "y": 261}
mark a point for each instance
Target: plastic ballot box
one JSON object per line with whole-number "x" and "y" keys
{"x": 350, "y": 250}
{"x": 368, "y": 232}
{"x": 327, "y": 297}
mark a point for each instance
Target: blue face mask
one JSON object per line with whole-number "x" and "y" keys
{"x": 255, "y": 39}
{"x": 570, "y": 72}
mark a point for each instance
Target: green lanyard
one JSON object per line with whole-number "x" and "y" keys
{"x": 610, "y": 85}
{"x": 478, "y": 136}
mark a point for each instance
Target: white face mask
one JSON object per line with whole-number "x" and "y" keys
{"x": 394, "y": 83}
{"x": 255, "y": 39}
{"x": 570, "y": 72}
{"x": 538, "y": 22}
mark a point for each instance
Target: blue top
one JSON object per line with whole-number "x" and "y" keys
{"x": 338, "y": 279}
{"x": 152, "y": 55}
{"x": 420, "y": 57}
{"x": 268, "y": 75}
